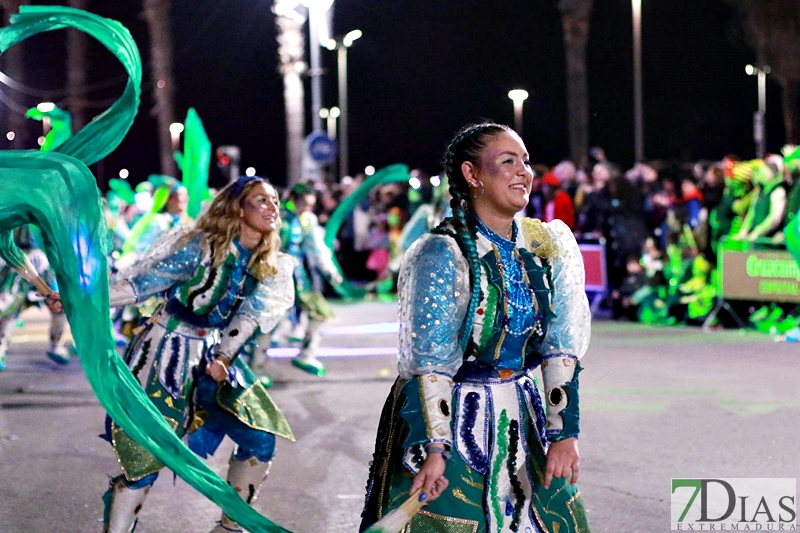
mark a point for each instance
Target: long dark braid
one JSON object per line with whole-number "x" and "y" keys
{"x": 467, "y": 145}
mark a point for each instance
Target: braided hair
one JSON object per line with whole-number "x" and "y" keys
{"x": 467, "y": 145}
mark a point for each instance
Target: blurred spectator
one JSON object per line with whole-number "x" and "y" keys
{"x": 558, "y": 204}
{"x": 566, "y": 173}
{"x": 713, "y": 186}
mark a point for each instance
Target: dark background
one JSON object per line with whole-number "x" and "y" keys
{"x": 423, "y": 69}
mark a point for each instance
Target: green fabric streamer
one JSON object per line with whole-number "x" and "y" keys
{"x": 9, "y": 249}
{"x": 390, "y": 174}
{"x": 103, "y": 134}
{"x": 60, "y": 126}
{"x": 57, "y": 192}
{"x": 195, "y": 161}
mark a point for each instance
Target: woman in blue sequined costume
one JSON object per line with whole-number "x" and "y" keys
{"x": 222, "y": 280}
{"x": 484, "y": 301}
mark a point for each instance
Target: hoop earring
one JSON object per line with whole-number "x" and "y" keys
{"x": 483, "y": 190}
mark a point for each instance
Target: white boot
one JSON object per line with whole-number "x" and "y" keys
{"x": 6, "y": 326}
{"x": 246, "y": 478}
{"x": 306, "y": 360}
{"x": 58, "y": 350}
{"x": 122, "y": 506}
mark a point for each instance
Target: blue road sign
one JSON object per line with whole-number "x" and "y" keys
{"x": 321, "y": 148}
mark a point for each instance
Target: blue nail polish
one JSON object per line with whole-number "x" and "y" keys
{"x": 423, "y": 497}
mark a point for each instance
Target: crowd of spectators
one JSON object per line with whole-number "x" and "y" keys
{"x": 661, "y": 224}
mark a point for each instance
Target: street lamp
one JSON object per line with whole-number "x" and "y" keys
{"x": 638, "y": 106}
{"x": 46, "y": 107}
{"x": 518, "y": 96}
{"x": 759, "y": 129}
{"x": 330, "y": 116}
{"x": 175, "y": 130}
{"x": 341, "y": 46}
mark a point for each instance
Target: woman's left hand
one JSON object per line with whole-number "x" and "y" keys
{"x": 562, "y": 461}
{"x": 218, "y": 370}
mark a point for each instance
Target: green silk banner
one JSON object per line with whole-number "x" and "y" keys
{"x": 390, "y": 174}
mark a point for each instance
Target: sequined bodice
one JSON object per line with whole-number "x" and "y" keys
{"x": 517, "y": 314}
{"x": 211, "y": 298}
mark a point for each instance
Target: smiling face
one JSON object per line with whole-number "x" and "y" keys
{"x": 505, "y": 170}
{"x": 259, "y": 209}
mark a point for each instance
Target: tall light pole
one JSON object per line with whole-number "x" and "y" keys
{"x": 759, "y": 124}
{"x": 518, "y": 96}
{"x": 638, "y": 107}
{"x": 330, "y": 116}
{"x": 341, "y": 46}
{"x": 316, "y": 21}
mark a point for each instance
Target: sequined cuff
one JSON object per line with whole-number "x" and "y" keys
{"x": 560, "y": 376}
{"x": 235, "y": 335}
{"x": 436, "y": 394}
{"x": 122, "y": 293}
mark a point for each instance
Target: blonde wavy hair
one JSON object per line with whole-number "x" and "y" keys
{"x": 220, "y": 224}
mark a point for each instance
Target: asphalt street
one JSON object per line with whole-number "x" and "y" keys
{"x": 656, "y": 404}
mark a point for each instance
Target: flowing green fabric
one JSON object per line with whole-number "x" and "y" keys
{"x": 60, "y": 126}
{"x": 57, "y": 192}
{"x": 103, "y": 134}
{"x": 195, "y": 161}
{"x": 390, "y": 174}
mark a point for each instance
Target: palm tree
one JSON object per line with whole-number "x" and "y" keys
{"x": 77, "y": 45}
{"x": 157, "y": 14}
{"x": 13, "y": 65}
{"x": 773, "y": 30}
{"x": 292, "y": 65}
{"x": 575, "y": 17}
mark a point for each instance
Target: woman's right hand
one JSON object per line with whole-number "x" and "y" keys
{"x": 430, "y": 479}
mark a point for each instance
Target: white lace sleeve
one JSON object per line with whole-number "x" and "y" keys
{"x": 570, "y": 328}
{"x": 167, "y": 262}
{"x": 433, "y": 292}
{"x": 318, "y": 253}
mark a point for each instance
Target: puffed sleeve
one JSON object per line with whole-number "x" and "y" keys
{"x": 170, "y": 260}
{"x": 433, "y": 294}
{"x": 567, "y": 337}
{"x": 262, "y": 309}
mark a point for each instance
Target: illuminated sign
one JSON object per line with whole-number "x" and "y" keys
{"x": 760, "y": 275}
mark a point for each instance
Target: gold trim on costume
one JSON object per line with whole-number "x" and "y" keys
{"x": 578, "y": 527}
{"x": 459, "y": 494}
{"x": 538, "y": 239}
{"x": 473, "y": 484}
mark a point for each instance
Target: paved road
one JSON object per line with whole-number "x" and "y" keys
{"x": 656, "y": 404}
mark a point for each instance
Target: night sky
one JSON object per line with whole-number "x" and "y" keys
{"x": 423, "y": 69}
